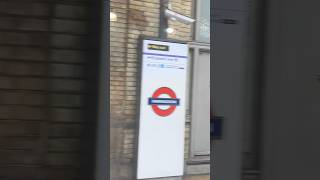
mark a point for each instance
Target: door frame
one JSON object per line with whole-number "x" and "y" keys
{"x": 196, "y": 48}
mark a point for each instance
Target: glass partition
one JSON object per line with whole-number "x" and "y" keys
{"x": 203, "y": 21}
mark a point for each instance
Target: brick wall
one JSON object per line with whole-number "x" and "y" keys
{"x": 42, "y": 88}
{"x": 135, "y": 18}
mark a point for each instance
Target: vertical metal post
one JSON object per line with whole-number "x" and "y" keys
{"x": 163, "y": 20}
{"x": 102, "y": 130}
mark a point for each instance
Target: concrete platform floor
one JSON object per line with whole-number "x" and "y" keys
{"x": 197, "y": 177}
{"x": 187, "y": 177}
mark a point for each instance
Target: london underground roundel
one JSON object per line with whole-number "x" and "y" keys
{"x": 169, "y": 102}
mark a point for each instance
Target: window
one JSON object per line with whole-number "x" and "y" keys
{"x": 203, "y": 21}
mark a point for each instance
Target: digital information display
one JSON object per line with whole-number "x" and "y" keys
{"x": 162, "y": 109}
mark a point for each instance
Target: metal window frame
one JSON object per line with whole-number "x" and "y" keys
{"x": 196, "y": 49}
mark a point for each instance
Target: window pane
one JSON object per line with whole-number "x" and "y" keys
{"x": 204, "y": 21}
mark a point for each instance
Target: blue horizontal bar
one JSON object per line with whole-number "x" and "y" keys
{"x": 176, "y": 101}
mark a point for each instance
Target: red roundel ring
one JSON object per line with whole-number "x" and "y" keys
{"x": 156, "y": 94}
